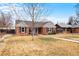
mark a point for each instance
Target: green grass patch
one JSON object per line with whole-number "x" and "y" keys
{"x": 71, "y": 36}
{"x": 47, "y": 39}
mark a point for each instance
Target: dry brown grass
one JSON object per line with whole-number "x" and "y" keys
{"x": 24, "y": 46}
{"x": 70, "y": 36}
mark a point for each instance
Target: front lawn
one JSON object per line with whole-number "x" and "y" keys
{"x": 41, "y": 46}
{"x": 71, "y": 36}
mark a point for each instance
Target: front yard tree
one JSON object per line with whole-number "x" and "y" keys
{"x": 15, "y": 11}
{"x": 6, "y": 20}
{"x": 72, "y": 20}
{"x": 34, "y": 11}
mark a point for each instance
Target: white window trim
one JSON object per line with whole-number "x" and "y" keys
{"x": 21, "y": 29}
{"x": 49, "y": 30}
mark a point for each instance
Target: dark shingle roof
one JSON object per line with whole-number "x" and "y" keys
{"x": 29, "y": 23}
{"x": 63, "y": 25}
{"x": 75, "y": 26}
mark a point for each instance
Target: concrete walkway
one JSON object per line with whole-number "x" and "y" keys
{"x": 71, "y": 40}
{"x": 57, "y": 37}
{"x": 3, "y": 37}
{"x": 67, "y": 39}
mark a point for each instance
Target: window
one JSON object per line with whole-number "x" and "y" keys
{"x": 22, "y": 29}
{"x": 49, "y": 30}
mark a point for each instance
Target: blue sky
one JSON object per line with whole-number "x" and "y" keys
{"x": 61, "y": 11}
{"x": 57, "y": 12}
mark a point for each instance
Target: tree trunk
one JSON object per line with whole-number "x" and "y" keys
{"x": 32, "y": 33}
{"x": 32, "y": 28}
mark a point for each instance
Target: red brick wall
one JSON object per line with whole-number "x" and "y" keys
{"x": 17, "y": 31}
{"x": 44, "y": 31}
{"x": 27, "y": 30}
{"x": 22, "y": 33}
{"x": 75, "y": 30}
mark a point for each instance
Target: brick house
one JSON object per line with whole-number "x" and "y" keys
{"x": 65, "y": 28}
{"x": 75, "y": 28}
{"x": 8, "y": 30}
{"x": 25, "y": 27}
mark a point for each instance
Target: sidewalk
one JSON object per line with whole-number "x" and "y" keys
{"x": 71, "y": 40}
{"x": 67, "y": 39}
{"x": 2, "y": 38}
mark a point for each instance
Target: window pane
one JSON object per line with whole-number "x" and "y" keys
{"x": 49, "y": 30}
{"x": 22, "y": 29}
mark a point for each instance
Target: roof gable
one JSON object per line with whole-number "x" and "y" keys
{"x": 37, "y": 24}
{"x": 63, "y": 25}
{"x": 49, "y": 25}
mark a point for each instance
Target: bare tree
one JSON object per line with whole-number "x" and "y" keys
{"x": 71, "y": 20}
{"x": 74, "y": 20}
{"x": 6, "y": 20}
{"x": 34, "y": 11}
{"x": 15, "y": 11}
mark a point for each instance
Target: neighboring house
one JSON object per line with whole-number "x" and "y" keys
{"x": 75, "y": 28}
{"x": 7, "y": 30}
{"x": 63, "y": 28}
{"x": 25, "y": 27}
